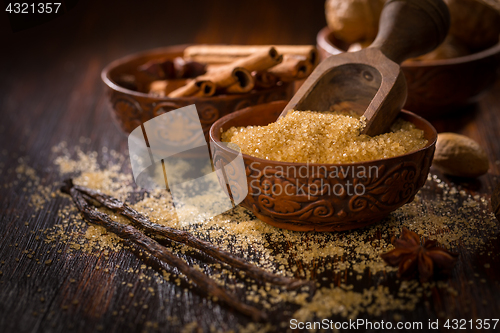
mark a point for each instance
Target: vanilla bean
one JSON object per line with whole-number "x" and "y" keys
{"x": 136, "y": 237}
{"x": 187, "y": 238}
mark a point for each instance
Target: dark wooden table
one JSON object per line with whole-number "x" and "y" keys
{"x": 51, "y": 91}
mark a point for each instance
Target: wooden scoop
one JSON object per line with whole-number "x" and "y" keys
{"x": 370, "y": 81}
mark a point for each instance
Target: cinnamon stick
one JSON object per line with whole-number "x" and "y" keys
{"x": 162, "y": 88}
{"x": 228, "y": 79}
{"x": 227, "y": 76}
{"x": 228, "y": 53}
{"x": 259, "y": 61}
{"x": 237, "y": 88}
{"x": 293, "y": 67}
{"x": 308, "y": 51}
{"x": 197, "y": 87}
{"x": 207, "y": 88}
{"x": 244, "y": 84}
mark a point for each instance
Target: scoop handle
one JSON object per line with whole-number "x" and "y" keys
{"x": 410, "y": 28}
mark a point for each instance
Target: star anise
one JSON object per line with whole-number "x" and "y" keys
{"x": 415, "y": 256}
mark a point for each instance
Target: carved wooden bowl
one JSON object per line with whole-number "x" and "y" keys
{"x": 438, "y": 86}
{"x": 132, "y": 108}
{"x": 313, "y": 197}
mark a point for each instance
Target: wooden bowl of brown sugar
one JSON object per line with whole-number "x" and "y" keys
{"x": 131, "y": 108}
{"x": 323, "y": 197}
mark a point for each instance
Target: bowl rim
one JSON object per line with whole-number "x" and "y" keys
{"x": 217, "y": 124}
{"x": 105, "y": 77}
{"x": 323, "y": 41}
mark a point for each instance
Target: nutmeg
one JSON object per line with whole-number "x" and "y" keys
{"x": 353, "y": 20}
{"x": 458, "y": 155}
{"x": 495, "y": 202}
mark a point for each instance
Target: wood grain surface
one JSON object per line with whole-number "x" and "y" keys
{"x": 51, "y": 91}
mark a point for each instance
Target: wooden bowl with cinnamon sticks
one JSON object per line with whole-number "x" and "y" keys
{"x": 218, "y": 79}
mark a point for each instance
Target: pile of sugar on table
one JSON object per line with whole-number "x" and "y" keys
{"x": 343, "y": 264}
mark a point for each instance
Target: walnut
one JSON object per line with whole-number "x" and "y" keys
{"x": 353, "y": 20}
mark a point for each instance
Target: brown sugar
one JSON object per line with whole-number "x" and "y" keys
{"x": 324, "y": 137}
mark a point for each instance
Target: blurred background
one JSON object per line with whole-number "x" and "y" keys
{"x": 52, "y": 71}
{"x": 114, "y": 28}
